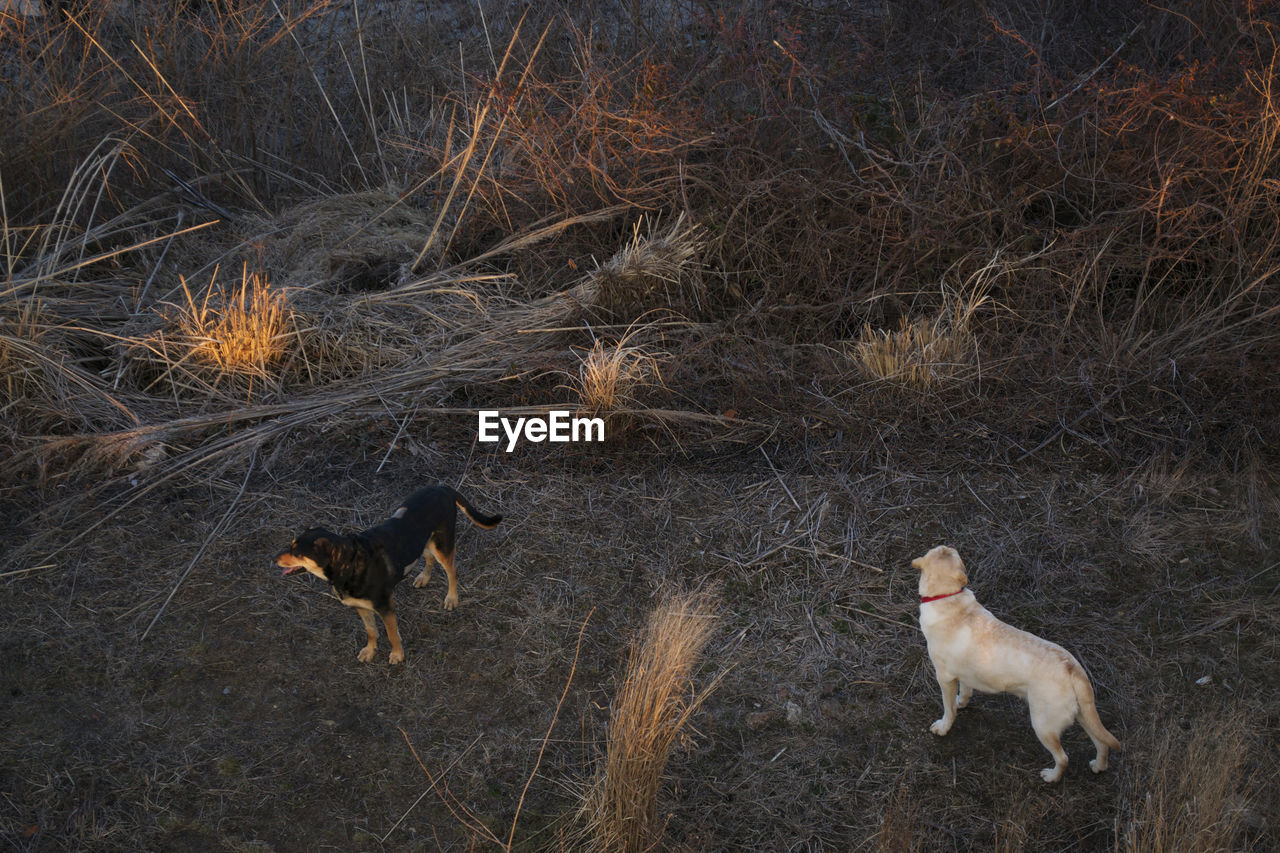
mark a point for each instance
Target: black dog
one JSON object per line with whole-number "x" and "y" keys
{"x": 364, "y": 568}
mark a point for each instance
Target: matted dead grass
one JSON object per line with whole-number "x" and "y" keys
{"x": 267, "y": 361}
{"x": 925, "y": 354}
{"x": 657, "y": 270}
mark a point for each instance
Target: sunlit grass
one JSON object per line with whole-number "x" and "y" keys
{"x": 237, "y": 330}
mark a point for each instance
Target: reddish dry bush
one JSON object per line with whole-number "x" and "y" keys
{"x": 613, "y": 133}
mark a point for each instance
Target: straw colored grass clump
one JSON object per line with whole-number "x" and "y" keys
{"x": 230, "y": 338}
{"x": 610, "y": 376}
{"x": 242, "y": 332}
{"x": 336, "y": 238}
{"x": 648, "y": 715}
{"x": 922, "y": 354}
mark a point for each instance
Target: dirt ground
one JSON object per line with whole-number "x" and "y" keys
{"x": 166, "y": 689}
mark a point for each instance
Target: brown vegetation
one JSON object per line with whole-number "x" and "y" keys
{"x": 654, "y": 703}
{"x": 1193, "y": 794}
{"x": 855, "y": 278}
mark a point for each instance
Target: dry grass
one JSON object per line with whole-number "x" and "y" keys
{"x": 646, "y": 720}
{"x": 921, "y": 354}
{"x": 587, "y": 128}
{"x": 221, "y": 342}
{"x": 656, "y": 270}
{"x": 898, "y": 823}
{"x": 710, "y": 203}
{"x": 358, "y": 324}
{"x": 243, "y": 333}
{"x": 19, "y": 341}
{"x": 1196, "y": 795}
{"x": 924, "y": 354}
{"x": 797, "y": 215}
{"x": 611, "y": 376}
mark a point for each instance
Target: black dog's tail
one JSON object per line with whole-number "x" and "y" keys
{"x": 488, "y": 522}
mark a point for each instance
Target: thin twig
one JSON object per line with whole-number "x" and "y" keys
{"x": 576, "y": 649}
{"x": 443, "y": 773}
{"x": 216, "y": 530}
{"x": 779, "y": 476}
{"x": 27, "y": 569}
{"x": 399, "y": 432}
{"x": 1086, "y": 78}
{"x": 473, "y": 825}
{"x": 878, "y": 616}
{"x": 833, "y": 556}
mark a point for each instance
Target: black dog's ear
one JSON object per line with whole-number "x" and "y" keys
{"x": 324, "y": 550}
{"x": 336, "y": 550}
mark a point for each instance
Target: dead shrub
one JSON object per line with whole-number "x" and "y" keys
{"x": 597, "y": 131}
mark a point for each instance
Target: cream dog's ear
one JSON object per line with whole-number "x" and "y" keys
{"x": 931, "y": 557}
{"x": 954, "y": 565}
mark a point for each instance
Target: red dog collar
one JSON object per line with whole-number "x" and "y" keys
{"x": 925, "y": 599}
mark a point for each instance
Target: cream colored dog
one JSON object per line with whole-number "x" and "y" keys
{"x": 973, "y": 650}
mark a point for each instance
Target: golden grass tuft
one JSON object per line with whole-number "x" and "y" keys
{"x": 242, "y": 332}
{"x": 651, "y": 271}
{"x": 1194, "y": 798}
{"x": 232, "y": 338}
{"x": 647, "y": 717}
{"x": 920, "y": 354}
{"x": 611, "y": 375}
{"x": 923, "y": 354}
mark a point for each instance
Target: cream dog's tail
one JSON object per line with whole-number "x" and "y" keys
{"x": 1088, "y": 713}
